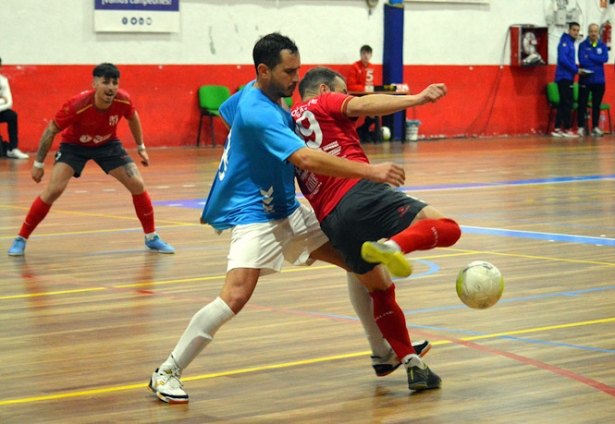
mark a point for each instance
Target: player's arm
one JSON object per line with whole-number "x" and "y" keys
{"x": 43, "y": 148}
{"x": 134, "y": 124}
{"x": 322, "y": 163}
{"x": 386, "y": 104}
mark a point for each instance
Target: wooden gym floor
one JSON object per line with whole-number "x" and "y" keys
{"x": 88, "y": 313}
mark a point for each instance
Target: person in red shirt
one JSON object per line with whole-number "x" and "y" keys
{"x": 88, "y": 123}
{"x": 361, "y": 75}
{"x": 361, "y": 78}
{"x": 355, "y": 212}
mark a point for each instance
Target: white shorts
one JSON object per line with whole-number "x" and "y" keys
{"x": 265, "y": 246}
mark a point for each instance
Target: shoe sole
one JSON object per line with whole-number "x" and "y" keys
{"x": 16, "y": 254}
{"x": 423, "y": 352}
{"x": 161, "y": 251}
{"x": 396, "y": 263}
{"x": 169, "y": 400}
{"x": 424, "y": 385}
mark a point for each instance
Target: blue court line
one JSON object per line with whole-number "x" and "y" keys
{"x": 521, "y": 339}
{"x": 603, "y": 241}
{"x": 480, "y": 333}
{"x": 534, "y": 181}
{"x": 433, "y": 268}
{"x": 517, "y": 299}
{"x": 198, "y": 203}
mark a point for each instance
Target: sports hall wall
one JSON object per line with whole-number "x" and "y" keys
{"x": 49, "y": 48}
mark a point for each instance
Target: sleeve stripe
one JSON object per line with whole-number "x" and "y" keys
{"x": 345, "y": 105}
{"x": 83, "y": 109}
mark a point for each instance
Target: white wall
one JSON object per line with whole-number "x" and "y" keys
{"x": 223, "y": 32}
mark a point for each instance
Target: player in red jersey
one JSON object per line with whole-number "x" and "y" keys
{"x": 361, "y": 78}
{"x": 354, "y": 212}
{"x": 88, "y": 123}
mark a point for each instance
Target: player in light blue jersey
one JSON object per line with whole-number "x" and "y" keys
{"x": 247, "y": 191}
{"x": 254, "y": 195}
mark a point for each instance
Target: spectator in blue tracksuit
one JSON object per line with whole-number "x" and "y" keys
{"x": 593, "y": 54}
{"x": 565, "y": 72}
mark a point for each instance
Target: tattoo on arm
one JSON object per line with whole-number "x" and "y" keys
{"x": 45, "y": 144}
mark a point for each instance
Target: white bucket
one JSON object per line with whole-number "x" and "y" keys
{"x": 412, "y": 129}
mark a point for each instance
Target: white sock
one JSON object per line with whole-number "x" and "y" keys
{"x": 363, "y": 306}
{"x": 200, "y": 332}
{"x": 170, "y": 364}
{"x": 392, "y": 244}
{"x": 413, "y": 360}
{"x": 150, "y": 236}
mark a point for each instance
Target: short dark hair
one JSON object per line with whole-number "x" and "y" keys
{"x": 366, "y": 48}
{"x": 106, "y": 70}
{"x": 316, "y": 76}
{"x": 571, "y": 24}
{"x": 268, "y": 49}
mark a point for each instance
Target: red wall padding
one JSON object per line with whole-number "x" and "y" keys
{"x": 482, "y": 100}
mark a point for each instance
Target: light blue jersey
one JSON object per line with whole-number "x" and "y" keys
{"x": 254, "y": 183}
{"x": 228, "y": 109}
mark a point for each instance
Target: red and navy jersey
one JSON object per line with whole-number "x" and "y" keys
{"x": 323, "y": 124}
{"x": 84, "y": 124}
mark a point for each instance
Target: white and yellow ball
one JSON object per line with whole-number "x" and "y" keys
{"x": 480, "y": 285}
{"x": 386, "y": 133}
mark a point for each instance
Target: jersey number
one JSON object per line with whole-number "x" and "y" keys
{"x": 308, "y": 128}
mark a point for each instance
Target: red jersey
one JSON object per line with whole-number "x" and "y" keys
{"x": 82, "y": 123}
{"x": 323, "y": 124}
{"x": 360, "y": 77}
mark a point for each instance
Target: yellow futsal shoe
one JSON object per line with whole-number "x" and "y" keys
{"x": 393, "y": 259}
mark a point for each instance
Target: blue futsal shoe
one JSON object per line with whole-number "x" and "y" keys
{"x": 18, "y": 247}
{"x": 160, "y": 246}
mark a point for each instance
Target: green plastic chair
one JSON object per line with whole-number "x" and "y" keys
{"x": 553, "y": 99}
{"x": 211, "y": 98}
{"x": 603, "y": 106}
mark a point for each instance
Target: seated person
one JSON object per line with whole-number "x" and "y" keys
{"x": 10, "y": 117}
{"x": 361, "y": 78}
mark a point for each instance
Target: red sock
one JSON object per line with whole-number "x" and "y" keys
{"x": 392, "y": 322}
{"x": 145, "y": 211}
{"x": 38, "y": 212}
{"x": 427, "y": 234}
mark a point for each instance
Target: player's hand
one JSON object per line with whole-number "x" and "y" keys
{"x": 37, "y": 174}
{"x": 144, "y": 157}
{"x": 388, "y": 173}
{"x": 434, "y": 92}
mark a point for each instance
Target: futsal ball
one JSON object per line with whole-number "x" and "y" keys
{"x": 386, "y": 133}
{"x": 480, "y": 285}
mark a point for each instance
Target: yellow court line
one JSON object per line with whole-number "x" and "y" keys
{"x": 547, "y": 258}
{"x": 460, "y": 252}
{"x": 97, "y": 215}
{"x": 22, "y": 296}
{"x": 533, "y": 330}
{"x": 282, "y": 365}
{"x": 213, "y": 277}
{"x": 111, "y": 230}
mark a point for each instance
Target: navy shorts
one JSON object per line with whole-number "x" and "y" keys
{"x": 108, "y": 156}
{"x": 368, "y": 212}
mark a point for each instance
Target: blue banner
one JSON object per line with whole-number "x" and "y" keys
{"x": 164, "y": 5}
{"x": 136, "y": 15}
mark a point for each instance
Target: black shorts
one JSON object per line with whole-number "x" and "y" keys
{"x": 368, "y": 212}
{"x": 108, "y": 156}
